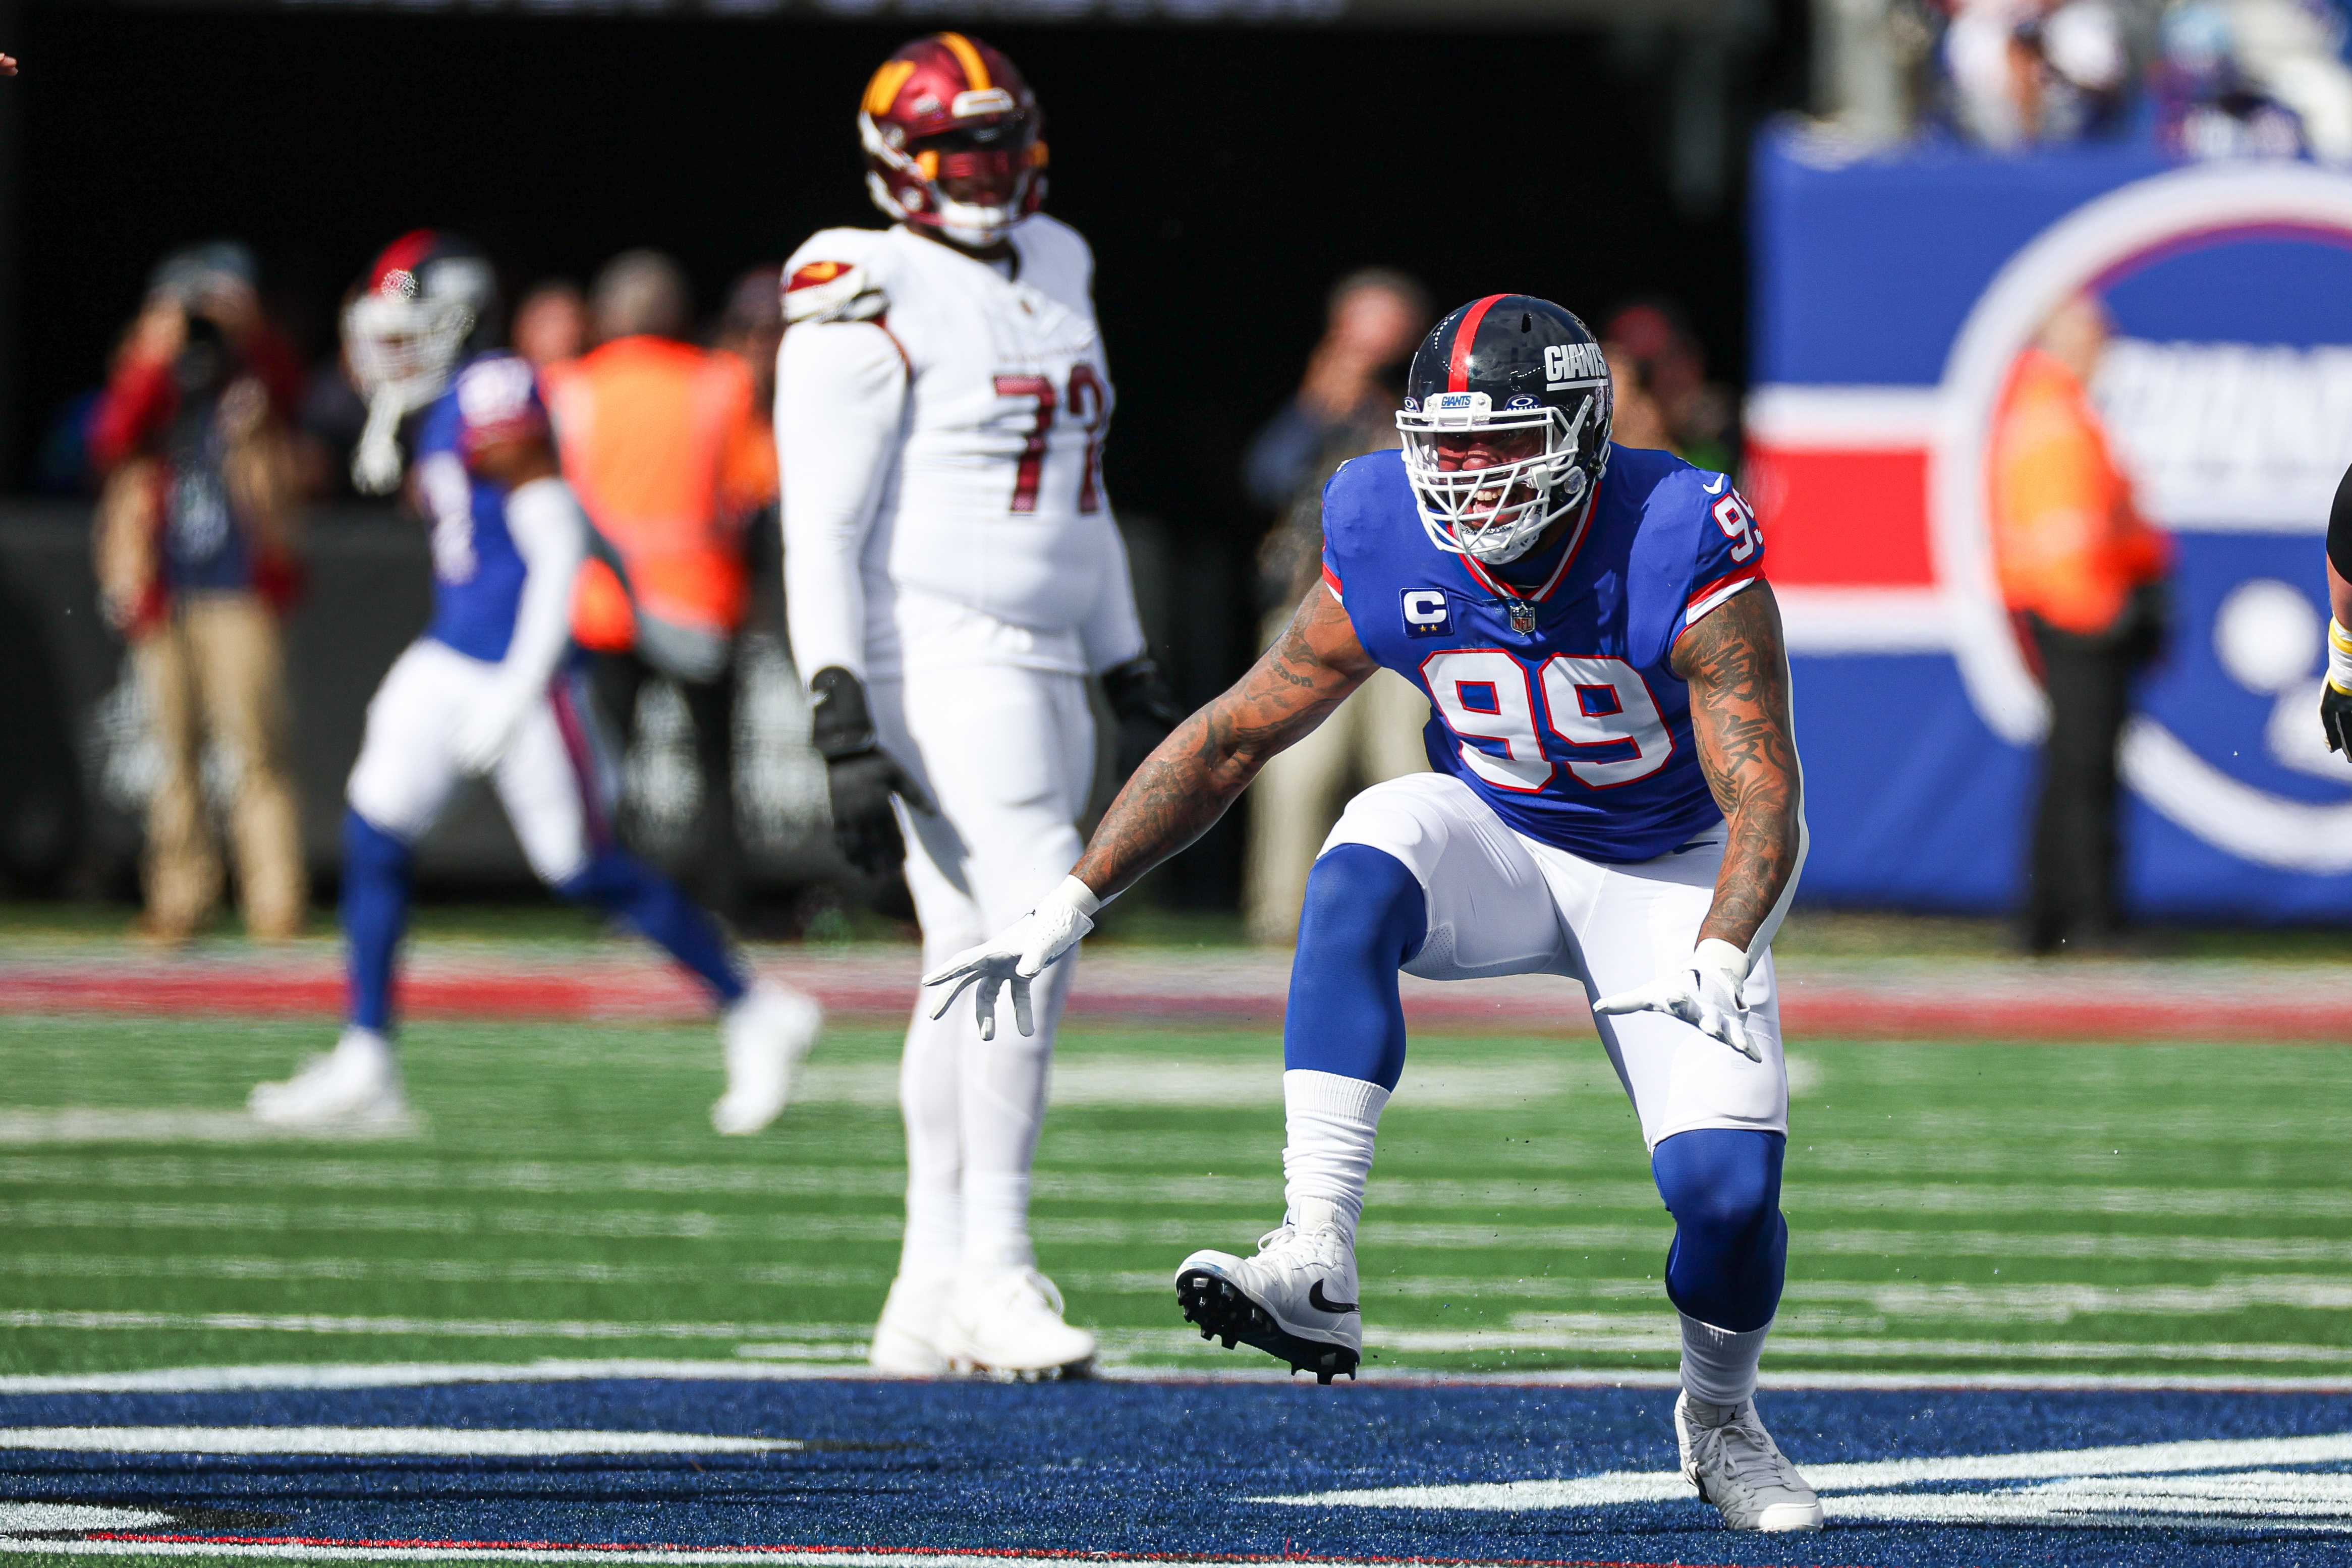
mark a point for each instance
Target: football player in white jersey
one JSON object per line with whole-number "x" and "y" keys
{"x": 486, "y": 692}
{"x": 954, "y": 577}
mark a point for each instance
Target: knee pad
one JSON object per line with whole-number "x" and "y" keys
{"x": 369, "y": 848}
{"x": 1362, "y": 900}
{"x": 611, "y": 876}
{"x": 1731, "y": 1246}
{"x": 1720, "y": 1178}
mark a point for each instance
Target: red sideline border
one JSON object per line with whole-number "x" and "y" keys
{"x": 1835, "y": 1011}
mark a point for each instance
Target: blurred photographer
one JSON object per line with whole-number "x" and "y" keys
{"x": 1345, "y": 407}
{"x": 194, "y": 539}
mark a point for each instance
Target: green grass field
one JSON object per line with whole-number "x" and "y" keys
{"x": 1967, "y": 1207}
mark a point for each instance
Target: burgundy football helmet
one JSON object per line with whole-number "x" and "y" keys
{"x": 952, "y": 139}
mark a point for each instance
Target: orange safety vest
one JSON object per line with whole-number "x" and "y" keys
{"x": 661, "y": 443}
{"x": 2068, "y": 541}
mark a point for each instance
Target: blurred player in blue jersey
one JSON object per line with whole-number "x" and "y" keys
{"x": 486, "y": 690}
{"x": 1617, "y": 800}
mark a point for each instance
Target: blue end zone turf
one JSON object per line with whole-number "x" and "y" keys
{"x": 1128, "y": 1469}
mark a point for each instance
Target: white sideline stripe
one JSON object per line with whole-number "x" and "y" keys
{"x": 406, "y": 1375}
{"x": 439, "y": 1328}
{"x": 841, "y": 1342}
{"x": 2051, "y": 1464}
{"x": 16, "y": 1516}
{"x": 1632, "y": 1341}
{"x": 422, "y": 1374}
{"x": 98, "y": 1125}
{"x": 821, "y": 1559}
{"x": 364, "y": 1440}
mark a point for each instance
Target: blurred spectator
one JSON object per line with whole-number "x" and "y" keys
{"x": 751, "y": 328}
{"x": 2027, "y": 72}
{"x": 2085, "y": 576}
{"x": 1664, "y": 398}
{"x": 2254, "y": 79}
{"x": 669, "y": 456}
{"x": 1635, "y": 419}
{"x": 1344, "y": 407}
{"x": 195, "y": 535}
{"x": 550, "y": 325}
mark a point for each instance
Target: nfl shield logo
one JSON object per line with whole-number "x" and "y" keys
{"x": 1523, "y": 617}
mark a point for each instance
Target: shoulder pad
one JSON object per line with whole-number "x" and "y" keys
{"x": 831, "y": 291}
{"x": 834, "y": 277}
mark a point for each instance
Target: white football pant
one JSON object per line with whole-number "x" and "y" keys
{"x": 1501, "y": 903}
{"x": 1007, "y": 755}
{"x": 555, "y": 781}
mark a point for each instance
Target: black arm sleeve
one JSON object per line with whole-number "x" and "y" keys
{"x": 2339, "y": 529}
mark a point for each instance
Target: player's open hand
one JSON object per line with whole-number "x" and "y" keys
{"x": 1706, "y": 995}
{"x": 1017, "y": 956}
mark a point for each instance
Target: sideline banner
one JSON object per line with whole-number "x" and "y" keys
{"x": 1892, "y": 296}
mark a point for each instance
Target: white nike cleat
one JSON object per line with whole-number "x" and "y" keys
{"x": 356, "y": 1085}
{"x": 1296, "y": 1301}
{"x": 1735, "y": 1465}
{"x": 1007, "y": 1323}
{"x": 768, "y": 1031}
{"x": 906, "y": 1340}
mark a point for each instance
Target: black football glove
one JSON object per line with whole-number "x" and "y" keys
{"x": 860, "y": 775}
{"x": 2336, "y": 717}
{"x": 1145, "y": 707}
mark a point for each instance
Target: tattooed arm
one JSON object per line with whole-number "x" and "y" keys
{"x": 1171, "y": 800}
{"x": 1738, "y": 667}
{"x": 1184, "y": 786}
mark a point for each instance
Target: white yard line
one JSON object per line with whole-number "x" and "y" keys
{"x": 467, "y": 1442}
{"x": 2109, "y": 1483}
{"x": 844, "y": 1334}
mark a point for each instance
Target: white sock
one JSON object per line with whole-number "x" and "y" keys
{"x": 1718, "y": 1366}
{"x": 929, "y": 1097}
{"x": 1003, "y": 1103}
{"x": 1332, "y": 1121}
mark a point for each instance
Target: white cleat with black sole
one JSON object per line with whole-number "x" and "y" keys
{"x": 355, "y": 1088}
{"x": 768, "y": 1033}
{"x": 1296, "y": 1301}
{"x": 1006, "y": 1323}
{"x": 1735, "y": 1465}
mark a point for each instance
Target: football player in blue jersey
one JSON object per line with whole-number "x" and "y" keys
{"x": 489, "y": 690}
{"x": 1617, "y": 800}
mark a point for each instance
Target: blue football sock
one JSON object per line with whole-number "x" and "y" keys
{"x": 1731, "y": 1247}
{"x": 375, "y": 912}
{"x": 622, "y": 885}
{"x": 1365, "y": 916}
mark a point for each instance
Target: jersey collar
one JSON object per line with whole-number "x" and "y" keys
{"x": 1495, "y": 585}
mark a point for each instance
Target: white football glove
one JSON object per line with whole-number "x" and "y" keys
{"x": 1018, "y": 955}
{"x": 485, "y": 727}
{"x": 1707, "y": 996}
